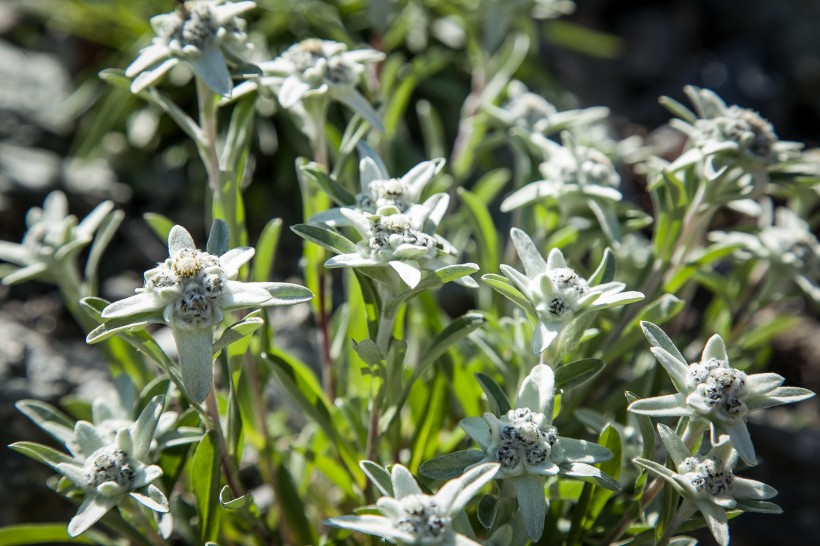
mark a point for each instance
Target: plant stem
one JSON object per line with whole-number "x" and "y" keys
{"x": 227, "y": 466}
{"x": 384, "y": 336}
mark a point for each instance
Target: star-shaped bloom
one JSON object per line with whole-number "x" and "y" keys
{"x": 190, "y": 292}
{"x": 553, "y": 292}
{"x": 571, "y": 172}
{"x": 533, "y": 113}
{"x": 52, "y": 239}
{"x": 710, "y": 390}
{"x": 205, "y": 34}
{"x": 316, "y": 67}
{"x": 383, "y": 195}
{"x": 410, "y": 517}
{"x": 108, "y": 470}
{"x": 529, "y": 449}
{"x": 707, "y": 483}
{"x": 784, "y": 240}
{"x": 405, "y": 242}
{"x": 729, "y": 131}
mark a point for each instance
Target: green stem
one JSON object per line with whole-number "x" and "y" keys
{"x": 384, "y": 336}
{"x": 215, "y": 424}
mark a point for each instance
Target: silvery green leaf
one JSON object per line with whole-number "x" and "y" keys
{"x": 451, "y": 465}
{"x": 178, "y": 240}
{"x": 504, "y": 287}
{"x": 326, "y": 238}
{"x": 668, "y": 405}
{"x": 91, "y": 510}
{"x": 151, "y": 497}
{"x": 582, "y": 451}
{"x": 148, "y": 78}
{"x": 760, "y": 506}
{"x": 676, "y": 449}
{"x": 403, "y": 482}
{"x": 575, "y": 374}
{"x": 779, "y": 396}
{"x": 410, "y": 272}
{"x": 668, "y": 475}
{"x": 532, "y": 503}
{"x": 537, "y": 392}
{"x": 237, "y": 331}
{"x": 531, "y": 258}
{"x": 146, "y": 425}
{"x": 129, "y": 323}
{"x": 356, "y": 102}
{"x": 379, "y": 476}
{"x": 715, "y": 517}
{"x": 658, "y": 338}
{"x": 27, "y": 273}
{"x": 210, "y": 67}
{"x": 676, "y": 370}
{"x": 456, "y": 493}
{"x": 590, "y": 474}
{"x": 219, "y": 240}
{"x": 195, "y": 361}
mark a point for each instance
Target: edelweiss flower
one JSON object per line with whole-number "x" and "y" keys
{"x": 108, "y": 470}
{"x": 405, "y": 242}
{"x": 784, "y": 240}
{"x": 554, "y": 293}
{"x": 535, "y": 114}
{"x": 189, "y": 292}
{"x": 206, "y": 34}
{"x": 733, "y": 131}
{"x": 571, "y": 171}
{"x": 411, "y": 517}
{"x": 52, "y": 240}
{"x": 528, "y": 448}
{"x": 711, "y": 391}
{"x": 318, "y": 67}
{"x": 707, "y": 484}
{"x": 382, "y": 195}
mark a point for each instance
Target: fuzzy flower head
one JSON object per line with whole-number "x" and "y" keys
{"x": 554, "y": 293}
{"x": 406, "y": 242}
{"x": 710, "y": 390}
{"x": 206, "y": 34}
{"x": 410, "y": 517}
{"x": 105, "y": 469}
{"x": 528, "y": 448}
{"x": 190, "y": 292}
{"x": 708, "y": 484}
{"x": 316, "y": 67}
{"x": 733, "y": 131}
{"x": 784, "y": 240}
{"x": 534, "y": 114}
{"x": 52, "y": 239}
{"x": 382, "y": 195}
{"x": 571, "y": 171}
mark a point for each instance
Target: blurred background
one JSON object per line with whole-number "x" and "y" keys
{"x": 62, "y": 127}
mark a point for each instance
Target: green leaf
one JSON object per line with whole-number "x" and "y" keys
{"x": 102, "y": 238}
{"x": 577, "y": 373}
{"x": 451, "y": 465}
{"x": 266, "y": 248}
{"x": 41, "y": 453}
{"x": 205, "y": 476}
{"x": 159, "y": 224}
{"x": 484, "y": 229}
{"x": 44, "y": 533}
{"x": 605, "y": 272}
{"x": 237, "y": 331}
{"x": 611, "y": 440}
{"x": 240, "y": 132}
{"x": 326, "y": 238}
{"x": 487, "y": 507}
{"x": 234, "y": 504}
{"x": 646, "y": 429}
{"x": 293, "y": 509}
{"x": 503, "y": 286}
{"x": 219, "y": 240}
{"x": 369, "y": 352}
{"x": 499, "y": 404}
{"x": 379, "y": 476}
{"x": 330, "y": 185}
{"x": 658, "y": 338}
